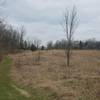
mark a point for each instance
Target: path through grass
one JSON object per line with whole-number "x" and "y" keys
{"x": 7, "y": 90}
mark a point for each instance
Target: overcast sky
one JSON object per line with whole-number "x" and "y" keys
{"x": 42, "y": 18}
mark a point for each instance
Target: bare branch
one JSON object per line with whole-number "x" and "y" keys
{"x": 70, "y": 21}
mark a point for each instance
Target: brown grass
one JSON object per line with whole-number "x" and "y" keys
{"x": 50, "y": 73}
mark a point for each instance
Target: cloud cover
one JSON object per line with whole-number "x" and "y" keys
{"x": 42, "y": 18}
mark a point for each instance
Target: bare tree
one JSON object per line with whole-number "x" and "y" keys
{"x": 37, "y": 44}
{"x": 70, "y": 24}
{"x": 22, "y": 33}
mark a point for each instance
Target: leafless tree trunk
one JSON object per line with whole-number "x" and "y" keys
{"x": 37, "y": 43}
{"x": 22, "y": 33}
{"x": 70, "y": 24}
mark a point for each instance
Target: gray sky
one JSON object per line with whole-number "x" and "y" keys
{"x": 42, "y": 18}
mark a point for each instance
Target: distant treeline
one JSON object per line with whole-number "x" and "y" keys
{"x": 62, "y": 44}
{"x": 12, "y": 39}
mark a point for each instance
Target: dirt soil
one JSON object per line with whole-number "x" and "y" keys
{"x": 79, "y": 81}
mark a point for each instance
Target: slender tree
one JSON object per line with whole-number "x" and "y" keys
{"x": 70, "y": 24}
{"x": 37, "y": 44}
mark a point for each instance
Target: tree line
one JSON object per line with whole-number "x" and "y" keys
{"x": 12, "y": 39}
{"x": 81, "y": 45}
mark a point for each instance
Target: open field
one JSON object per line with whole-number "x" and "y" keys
{"x": 49, "y": 76}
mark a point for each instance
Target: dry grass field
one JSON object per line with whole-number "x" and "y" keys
{"x": 49, "y": 75}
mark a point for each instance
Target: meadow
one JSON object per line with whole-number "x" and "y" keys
{"x": 51, "y": 79}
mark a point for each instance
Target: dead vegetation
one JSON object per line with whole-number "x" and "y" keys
{"x": 49, "y": 74}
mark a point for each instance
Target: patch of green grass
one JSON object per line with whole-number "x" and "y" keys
{"x": 7, "y": 92}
